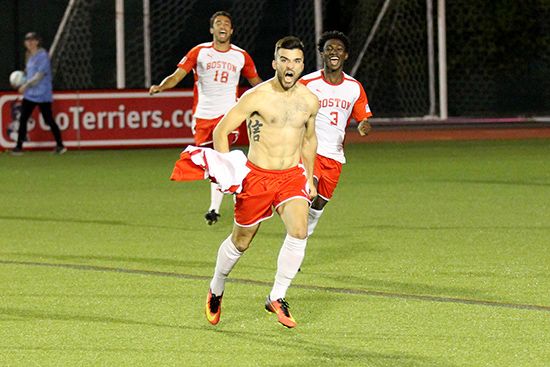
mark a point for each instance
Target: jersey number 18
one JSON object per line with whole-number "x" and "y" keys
{"x": 223, "y": 76}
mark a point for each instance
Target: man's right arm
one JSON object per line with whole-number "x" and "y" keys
{"x": 169, "y": 82}
{"x": 231, "y": 121}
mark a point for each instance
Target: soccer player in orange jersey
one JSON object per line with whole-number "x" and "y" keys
{"x": 341, "y": 97}
{"x": 217, "y": 67}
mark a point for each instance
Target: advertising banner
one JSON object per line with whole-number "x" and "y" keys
{"x": 110, "y": 119}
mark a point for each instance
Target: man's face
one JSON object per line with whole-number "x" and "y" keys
{"x": 288, "y": 66}
{"x": 334, "y": 54}
{"x": 30, "y": 43}
{"x": 222, "y": 29}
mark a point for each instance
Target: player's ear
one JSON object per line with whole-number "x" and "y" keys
{"x": 211, "y": 30}
{"x": 273, "y": 65}
{"x": 347, "y": 55}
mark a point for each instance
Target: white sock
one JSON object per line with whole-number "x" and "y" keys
{"x": 216, "y": 197}
{"x": 289, "y": 261}
{"x": 312, "y": 219}
{"x": 228, "y": 255}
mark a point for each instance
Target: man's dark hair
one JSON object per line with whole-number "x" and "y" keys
{"x": 217, "y": 14}
{"x": 331, "y": 35}
{"x": 289, "y": 43}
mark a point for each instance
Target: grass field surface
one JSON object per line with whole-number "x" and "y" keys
{"x": 430, "y": 254}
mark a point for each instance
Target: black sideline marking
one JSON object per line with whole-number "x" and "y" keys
{"x": 416, "y": 297}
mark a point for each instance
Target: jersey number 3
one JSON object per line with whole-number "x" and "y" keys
{"x": 334, "y": 120}
{"x": 221, "y": 77}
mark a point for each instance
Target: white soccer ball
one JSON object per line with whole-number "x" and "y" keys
{"x": 17, "y": 78}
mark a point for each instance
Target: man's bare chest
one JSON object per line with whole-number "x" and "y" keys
{"x": 284, "y": 112}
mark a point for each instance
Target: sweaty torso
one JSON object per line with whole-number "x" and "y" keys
{"x": 276, "y": 128}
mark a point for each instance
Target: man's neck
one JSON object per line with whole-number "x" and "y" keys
{"x": 333, "y": 76}
{"x": 222, "y": 46}
{"x": 33, "y": 50}
{"x": 278, "y": 87}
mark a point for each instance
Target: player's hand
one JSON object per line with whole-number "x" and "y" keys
{"x": 364, "y": 128}
{"x": 154, "y": 90}
{"x": 22, "y": 88}
{"x": 312, "y": 190}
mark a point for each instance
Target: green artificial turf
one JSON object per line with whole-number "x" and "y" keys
{"x": 430, "y": 254}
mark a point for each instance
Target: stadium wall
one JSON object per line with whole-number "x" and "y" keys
{"x": 106, "y": 119}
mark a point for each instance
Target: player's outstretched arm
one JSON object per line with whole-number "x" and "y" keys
{"x": 231, "y": 121}
{"x": 169, "y": 82}
{"x": 364, "y": 127}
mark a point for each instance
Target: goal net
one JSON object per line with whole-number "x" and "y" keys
{"x": 71, "y": 51}
{"x": 497, "y": 58}
{"x": 395, "y": 67}
{"x": 158, "y": 33}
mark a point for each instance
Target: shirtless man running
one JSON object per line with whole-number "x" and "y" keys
{"x": 280, "y": 117}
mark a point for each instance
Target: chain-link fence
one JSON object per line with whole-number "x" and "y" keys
{"x": 72, "y": 64}
{"x": 394, "y": 69}
{"x": 498, "y": 57}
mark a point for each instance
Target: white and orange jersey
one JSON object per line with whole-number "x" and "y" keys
{"x": 338, "y": 103}
{"x": 217, "y": 76}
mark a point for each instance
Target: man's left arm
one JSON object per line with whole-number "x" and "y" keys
{"x": 43, "y": 67}
{"x": 364, "y": 127}
{"x": 361, "y": 112}
{"x": 249, "y": 71}
{"x": 254, "y": 80}
{"x": 31, "y": 82}
{"x": 309, "y": 151}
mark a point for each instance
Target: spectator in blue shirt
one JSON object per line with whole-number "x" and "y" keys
{"x": 37, "y": 91}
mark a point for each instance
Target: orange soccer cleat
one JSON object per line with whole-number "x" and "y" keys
{"x": 280, "y": 307}
{"x": 213, "y": 307}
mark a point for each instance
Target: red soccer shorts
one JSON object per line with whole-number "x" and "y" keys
{"x": 327, "y": 172}
{"x": 265, "y": 190}
{"x": 203, "y": 128}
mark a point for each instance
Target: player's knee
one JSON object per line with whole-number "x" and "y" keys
{"x": 241, "y": 242}
{"x": 299, "y": 233}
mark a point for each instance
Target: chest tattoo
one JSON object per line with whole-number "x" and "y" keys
{"x": 254, "y": 127}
